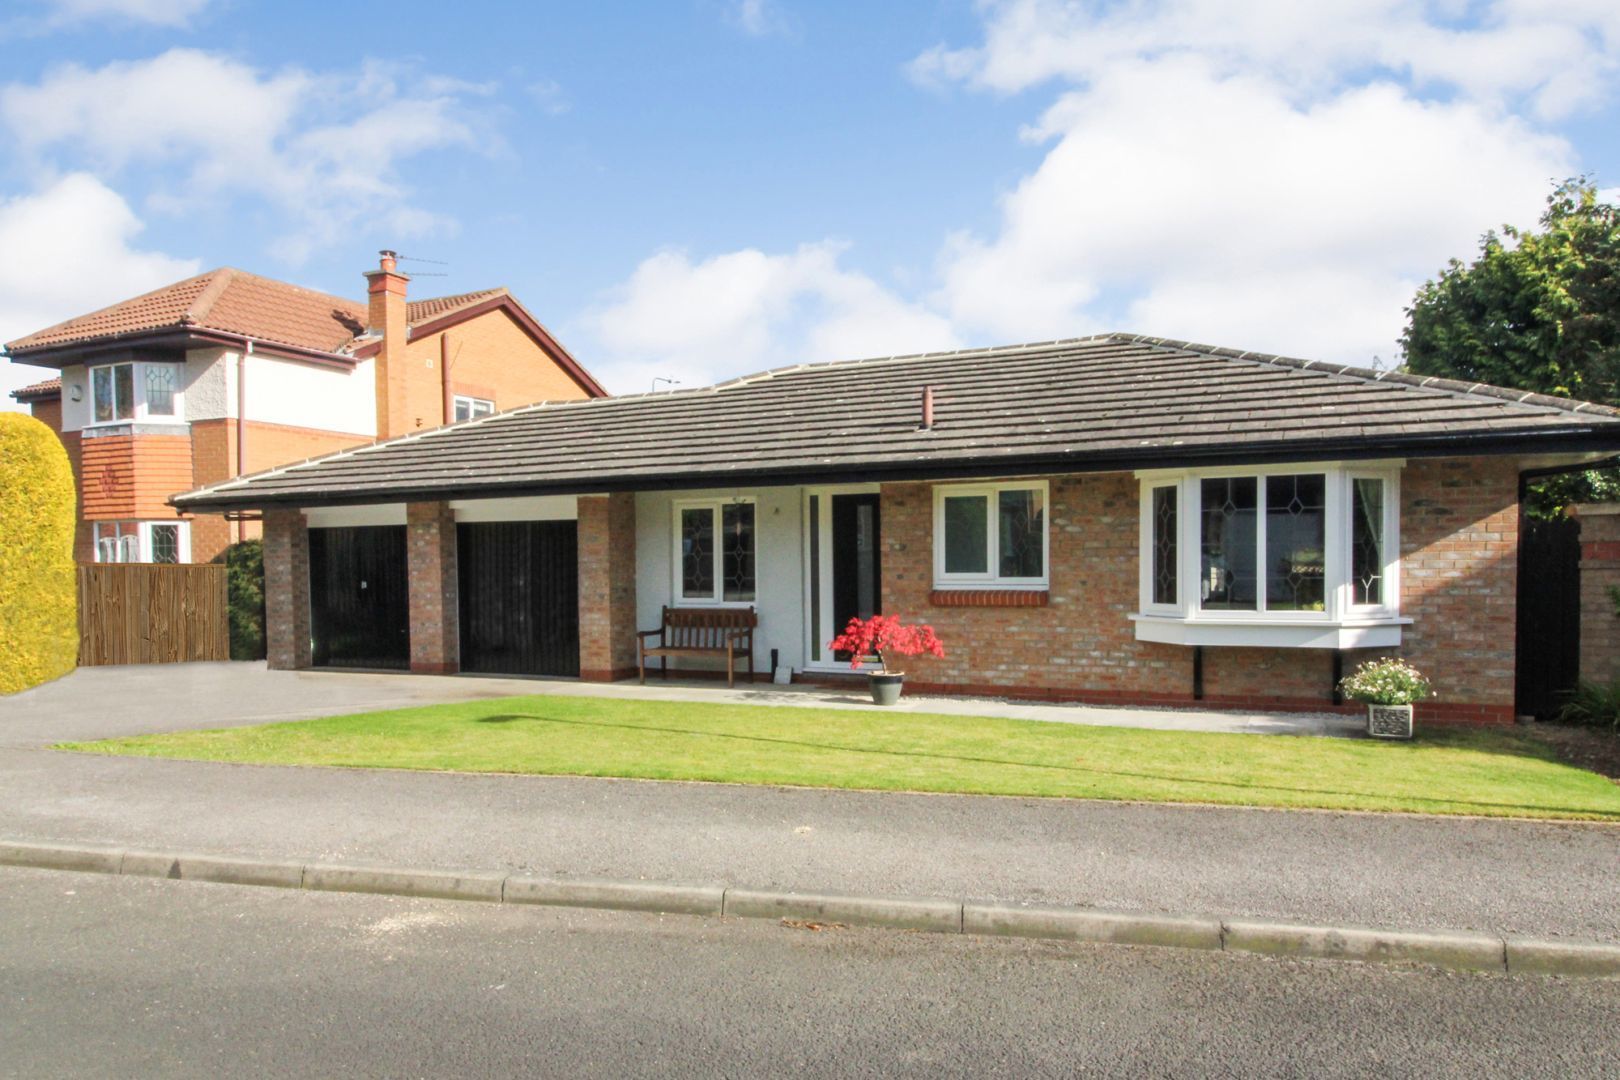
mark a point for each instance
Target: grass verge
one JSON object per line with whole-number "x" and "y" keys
{"x": 1489, "y": 772}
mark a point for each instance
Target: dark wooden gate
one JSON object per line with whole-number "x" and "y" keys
{"x": 359, "y": 598}
{"x": 1549, "y": 644}
{"x": 519, "y": 588}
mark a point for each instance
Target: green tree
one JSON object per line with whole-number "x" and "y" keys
{"x": 39, "y": 601}
{"x": 244, "y": 586}
{"x": 1538, "y": 310}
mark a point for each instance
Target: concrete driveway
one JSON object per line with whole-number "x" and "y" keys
{"x": 105, "y": 702}
{"x": 1373, "y": 869}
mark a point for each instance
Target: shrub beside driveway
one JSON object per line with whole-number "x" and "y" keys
{"x": 1489, "y": 772}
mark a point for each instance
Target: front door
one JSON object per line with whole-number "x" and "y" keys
{"x": 846, "y": 568}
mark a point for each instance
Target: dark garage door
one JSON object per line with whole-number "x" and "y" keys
{"x": 359, "y": 606}
{"x": 519, "y": 597}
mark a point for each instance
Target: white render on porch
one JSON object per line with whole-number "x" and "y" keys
{"x": 778, "y": 569}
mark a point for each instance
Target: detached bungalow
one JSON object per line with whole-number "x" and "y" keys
{"x": 1109, "y": 519}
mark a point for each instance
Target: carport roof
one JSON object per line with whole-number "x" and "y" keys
{"x": 1112, "y": 401}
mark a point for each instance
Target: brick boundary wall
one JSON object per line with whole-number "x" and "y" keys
{"x": 432, "y": 579}
{"x": 1600, "y": 572}
{"x": 286, "y": 590}
{"x": 607, "y": 587}
{"x": 1459, "y": 546}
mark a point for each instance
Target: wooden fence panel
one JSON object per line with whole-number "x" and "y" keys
{"x": 152, "y": 613}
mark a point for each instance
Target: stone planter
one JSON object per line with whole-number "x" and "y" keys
{"x": 885, "y": 687}
{"x": 1389, "y": 721}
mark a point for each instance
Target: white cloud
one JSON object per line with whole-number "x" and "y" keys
{"x": 745, "y": 310}
{"x": 1189, "y": 204}
{"x": 70, "y": 248}
{"x": 1560, "y": 55}
{"x": 176, "y": 13}
{"x": 325, "y": 150}
{"x": 756, "y": 18}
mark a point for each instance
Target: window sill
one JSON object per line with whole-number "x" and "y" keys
{"x": 1026, "y": 597}
{"x": 1277, "y": 633}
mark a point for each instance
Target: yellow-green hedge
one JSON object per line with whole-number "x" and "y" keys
{"x": 39, "y": 616}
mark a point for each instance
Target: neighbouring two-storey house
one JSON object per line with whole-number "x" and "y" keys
{"x": 228, "y": 373}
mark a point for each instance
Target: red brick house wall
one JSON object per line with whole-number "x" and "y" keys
{"x": 1459, "y": 544}
{"x": 607, "y": 587}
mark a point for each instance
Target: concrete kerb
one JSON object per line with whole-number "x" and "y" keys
{"x": 1460, "y": 950}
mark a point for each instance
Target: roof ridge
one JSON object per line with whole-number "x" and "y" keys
{"x": 963, "y": 353}
{"x": 1404, "y": 378}
{"x": 220, "y": 280}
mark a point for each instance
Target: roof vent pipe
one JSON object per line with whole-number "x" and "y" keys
{"x": 927, "y": 408}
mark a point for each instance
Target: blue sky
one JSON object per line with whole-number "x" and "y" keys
{"x": 700, "y": 188}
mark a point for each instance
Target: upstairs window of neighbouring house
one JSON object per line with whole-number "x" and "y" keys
{"x": 1286, "y": 544}
{"x": 112, "y": 392}
{"x": 134, "y": 391}
{"x": 990, "y": 535}
{"x": 715, "y": 552}
{"x": 469, "y": 408}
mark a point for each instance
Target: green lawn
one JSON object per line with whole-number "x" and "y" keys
{"x": 1492, "y": 772}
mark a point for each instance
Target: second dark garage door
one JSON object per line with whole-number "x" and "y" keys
{"x": 519, "y": 588}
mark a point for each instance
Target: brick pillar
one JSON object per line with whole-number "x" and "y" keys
{"x": 607, "y": 587}
{"x": 1600, "y": 577}
{"x": 286, "y": 590}
{"x": 430, "y": 555}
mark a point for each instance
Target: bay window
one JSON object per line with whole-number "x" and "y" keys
{"x": 133, "y": 391}
{"x": 990, "y": 535}
{"x": 714, "y": 552}
{"x": 1293, "y": 555}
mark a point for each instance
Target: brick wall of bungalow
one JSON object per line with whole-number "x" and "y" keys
{"x": 1459, "y": 545}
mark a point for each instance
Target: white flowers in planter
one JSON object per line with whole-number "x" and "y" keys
{"x": 1388, "y": 687}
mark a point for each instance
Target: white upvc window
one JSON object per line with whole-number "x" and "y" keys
{"x": 142, "y": 541}
{"x": 1282, "y": 555}
{"x": 136, "y": 391}
{"x": 992, "y": 535}
{"x": 470, "y": 408}
{"x": 714, "y": 554}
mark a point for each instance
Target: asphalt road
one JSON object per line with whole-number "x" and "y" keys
{"x": 114, "y": 976}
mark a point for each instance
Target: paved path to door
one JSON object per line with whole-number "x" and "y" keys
{"x": 1383, "y": 870}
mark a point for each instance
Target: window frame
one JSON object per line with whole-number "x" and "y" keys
{"x": 716, "y": 507}
{"x": 991, "y": 578}
{"x": 140, "y": 412}
{"x": 1339, "y": 609}
{"x": 472, "y": 403}
{"x": 141, "y": 532}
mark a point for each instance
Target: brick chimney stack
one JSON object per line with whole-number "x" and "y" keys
{"x": 385, "y": 287}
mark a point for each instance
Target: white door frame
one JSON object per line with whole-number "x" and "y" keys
{"x": 821, "y": 605}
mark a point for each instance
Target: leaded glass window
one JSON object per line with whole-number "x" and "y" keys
{"x": 1296, "y": 539}
{"x": 165, "y": 543}
{"x": 1367, "y": 541}
{"x": 1022, "y": 539}
{"x": 697, "y": 553}
{"x": 737, "y": 551}
{"x": 1164, "y": 545}
{"x": 1227, "y": 580}
{"x": 160, "y": 387}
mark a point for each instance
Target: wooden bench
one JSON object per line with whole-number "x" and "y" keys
{"x": 727, "y": 632}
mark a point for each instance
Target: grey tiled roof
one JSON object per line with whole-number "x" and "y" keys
{"x": 1108, "y": 402}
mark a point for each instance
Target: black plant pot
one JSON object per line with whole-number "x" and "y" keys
{"x": 885, "y": 687}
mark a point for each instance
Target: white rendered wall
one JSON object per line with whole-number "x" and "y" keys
{"x": 537, "y": 508}
{"x": 778, "y": 568}
{"x": 306, "y": 395}
{"x": 207, "y": 385}
{"x": 75, "y": 414}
